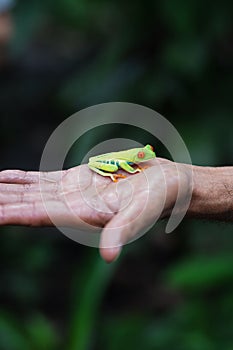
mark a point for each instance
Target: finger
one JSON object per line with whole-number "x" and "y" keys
{"x": 110, "y": 254}
{"x": 127, "y": 226}
{"x": 37, "y": 214}
{"x": 19, "y": 193}
{"x": 29, "y": 177}
{"x": 123, "y": 227}
{"x": 18, "y": 176}
{"x": 142, "y": 200}
{"x": 27, "y": 214}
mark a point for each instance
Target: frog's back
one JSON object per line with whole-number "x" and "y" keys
{"x": 121, "y": 155}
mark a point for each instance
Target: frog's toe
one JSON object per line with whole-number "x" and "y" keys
{"x": 140, "y": 168}
{"x": 116, "y": 176}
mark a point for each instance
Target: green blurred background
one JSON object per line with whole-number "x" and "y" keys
{"x": 166, "y": 291}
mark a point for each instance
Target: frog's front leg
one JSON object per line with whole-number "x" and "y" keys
{"x": 126, "y": 166}
{"x": 105, "y": 169}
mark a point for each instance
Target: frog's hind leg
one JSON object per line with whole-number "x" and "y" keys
{"x": 100, "y": 172}
{"x": 125, "y": 166}
{"x": 105, "y": 169}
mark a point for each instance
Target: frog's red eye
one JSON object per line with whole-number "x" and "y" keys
{"x": 141, "y": 154}
{"x": 152, "y": 148}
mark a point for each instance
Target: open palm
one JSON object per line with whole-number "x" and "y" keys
{"x": 78, "y": 197}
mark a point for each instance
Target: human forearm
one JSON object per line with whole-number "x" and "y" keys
{"x": 212, "y": 196}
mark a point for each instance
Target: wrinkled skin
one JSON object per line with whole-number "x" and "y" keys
{"x": 79, "y": 198}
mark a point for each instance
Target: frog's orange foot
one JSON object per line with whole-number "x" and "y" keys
{"x": 116, "y": 176}
{"x": 140, "y": 168}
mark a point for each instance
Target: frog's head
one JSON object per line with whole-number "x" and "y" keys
{"x": 143, "y": 154}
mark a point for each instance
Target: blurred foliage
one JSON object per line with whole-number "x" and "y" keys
{"x": 165, "y": 292}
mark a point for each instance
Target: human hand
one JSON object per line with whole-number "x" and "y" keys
{"x": 80, "y": 198}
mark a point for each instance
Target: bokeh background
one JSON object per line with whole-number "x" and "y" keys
{"x": 166, "y": 291}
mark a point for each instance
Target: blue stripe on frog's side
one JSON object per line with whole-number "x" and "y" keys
{"x": 109, "y": 162}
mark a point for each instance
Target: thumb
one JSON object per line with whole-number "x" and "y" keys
{"x": 124, "y": 227}
{"x": 136, "y": 216}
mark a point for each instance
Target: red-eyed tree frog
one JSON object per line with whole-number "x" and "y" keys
{"x": 108, "y": 163}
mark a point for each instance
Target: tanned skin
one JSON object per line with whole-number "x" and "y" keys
{"x": 124, "y": 209}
